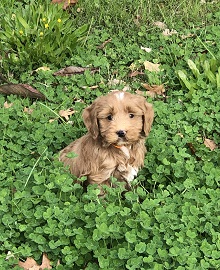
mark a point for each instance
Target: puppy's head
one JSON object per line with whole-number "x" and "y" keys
{"x": 120, "y": 118}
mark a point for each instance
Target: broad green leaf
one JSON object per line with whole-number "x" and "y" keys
{"x": 184, "y": 79}
{"x": 23, "y": 22}
{"x": 218, "y": 78}
{"x": 193, "y": 67}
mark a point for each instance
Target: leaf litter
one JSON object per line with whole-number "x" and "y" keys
{"x": 31, "y": 264}
{"x": 8, "y": 105}
{"x": 154, "y": 90}
{"x": 210, "y": 144}
{"x": 66, "y": 113}
{"x": 151, "y": 66}
{"x": 24, "y": 90}
{"x": 72, "y": 70}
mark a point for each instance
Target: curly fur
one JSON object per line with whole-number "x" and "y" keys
{"x": 117, "y": 124}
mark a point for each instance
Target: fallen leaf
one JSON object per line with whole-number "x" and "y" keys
{"x": 8, "y": 105}
{"x": 187, "y": 36}
{"x": 23, "y": 90}
{"x": 154, "y": 90}
{"x": 168, "y": 32}
{"x": 151, "y": 66}
{"x": 104, "y": 43}
{"x": 66, "y": 3}
{"x": 72, "y": 70}
{"x": 160, "y": 25}
{"x": 148, "y": 50}
{"x": 210, "y": 144}
{"x": 28, "y": 110}
{"x": 136, "y": 73}
{"x": 28, "y": 264}
{"x": 66, "y": 113}
{"x": 31, "y": 264}
{"x": 45, "y": 262}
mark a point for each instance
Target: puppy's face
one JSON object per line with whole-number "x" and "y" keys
{"x": 120, "y": 118}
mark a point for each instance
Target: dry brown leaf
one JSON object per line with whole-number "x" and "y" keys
{"x": 8, "y": 105}
{"x": 28, "y": 110}
{"x": 31, "y": 264}
{"x": 151, "y": 66}
{"x": 136, "y": 73}
{"x": 154, "y": 90}
{"x": 160, "y": 25}
{"x": 210, "y": 144}
{"x": 28, "y": 264}
{"x": 45, "y": 262}
{"x": 23, "y": 90}
{"x": 66, "y": 113}
{"x": 158, "y": 89}
{"x": 168, "y": 32}
{"x": 187, "y": 36}
{"x": 72, "y": 70}
{"x": 66, "y": 3}
{"x": 104, "y": 43}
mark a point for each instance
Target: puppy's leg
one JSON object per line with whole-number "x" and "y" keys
{"x": 128, "y": 172}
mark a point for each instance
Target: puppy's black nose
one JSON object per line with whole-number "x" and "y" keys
{"x": 121, "y": 133}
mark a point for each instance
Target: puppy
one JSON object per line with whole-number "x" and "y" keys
{"x": 114, "y": 146}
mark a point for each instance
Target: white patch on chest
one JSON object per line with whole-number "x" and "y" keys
{"x": 120, "y": 95}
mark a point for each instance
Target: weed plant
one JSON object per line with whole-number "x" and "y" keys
{"x": 170, "y": 218}
{"x": 34, "y": 33}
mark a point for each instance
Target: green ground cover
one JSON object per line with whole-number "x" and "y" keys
{"x": 170, "y": 219}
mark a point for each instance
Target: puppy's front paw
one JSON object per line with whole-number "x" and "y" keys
{"x": 126, "y": 173}
{"x": 131, "y": 173}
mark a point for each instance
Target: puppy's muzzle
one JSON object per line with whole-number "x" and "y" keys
{"x": 121, "y": 133}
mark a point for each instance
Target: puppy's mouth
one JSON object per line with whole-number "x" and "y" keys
{"x": 122, "y": 141}
{"x": 118, "y": 139}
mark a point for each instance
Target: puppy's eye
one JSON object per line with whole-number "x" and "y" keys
{"x": 131, "y": 115}
{"x": 110, "y": 117}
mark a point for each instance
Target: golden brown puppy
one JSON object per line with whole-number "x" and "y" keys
{"x": 117, "y": 124}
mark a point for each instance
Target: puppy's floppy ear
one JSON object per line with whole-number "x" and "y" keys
{"x": 148, "y": 115}
{"x": 91, "y": 121}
